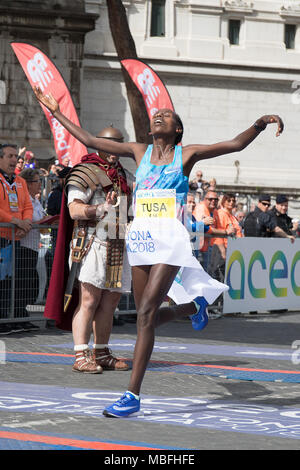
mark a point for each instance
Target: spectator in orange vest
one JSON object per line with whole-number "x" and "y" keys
{"x": 15, "y": 208}
{"x": 15, "y": 203}
{"x": 206, "y": 210}
{"x": 230, "y": 225}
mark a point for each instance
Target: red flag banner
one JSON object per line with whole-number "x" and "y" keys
{"x": 150, "y": 85}
{"x": 41, "y": 72}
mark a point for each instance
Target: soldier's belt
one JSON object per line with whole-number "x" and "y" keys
{"x": 114, "y": 258}
{"x": 77, "y": 253}
{"x": 114, "y": 263}
{"x": 77, "y": 250}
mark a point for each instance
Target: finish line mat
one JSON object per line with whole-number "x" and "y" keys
{"x": 45, "y": 404}
{"x": 227, "y": 372}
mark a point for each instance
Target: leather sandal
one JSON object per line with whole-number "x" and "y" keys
{"x": 105, "y": 359}
{"x": 84, "y": 362}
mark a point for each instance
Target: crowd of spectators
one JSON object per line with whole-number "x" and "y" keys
{"x": 29, "y": 195}
{"x": 229, "y": 217}
{"x": 199, "y": 187}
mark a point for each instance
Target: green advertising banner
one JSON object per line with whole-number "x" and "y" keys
{"x": 262, "y": 274}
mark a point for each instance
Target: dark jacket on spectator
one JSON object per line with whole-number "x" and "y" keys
{"x": 259, "y": 224}
{"x": 54, "y": 200}
{"x": 282, "y": 220}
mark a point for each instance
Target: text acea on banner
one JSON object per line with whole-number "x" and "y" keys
{"x": 262, "y": 274}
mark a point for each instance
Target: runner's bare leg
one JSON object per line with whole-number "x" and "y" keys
{"x": 151, "y": 285}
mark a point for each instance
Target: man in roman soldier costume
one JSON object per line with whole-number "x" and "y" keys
{"x": 87, "y": 283}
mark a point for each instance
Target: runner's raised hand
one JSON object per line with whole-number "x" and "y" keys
{"x": 47, "y": 100}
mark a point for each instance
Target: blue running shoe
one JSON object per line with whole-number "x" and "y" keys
{"x": 125, "y": 406}
{"x": 200, "y": 318}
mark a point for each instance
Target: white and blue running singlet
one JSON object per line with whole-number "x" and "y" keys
{"x": 157, "y": 234}
{"x": 149, "y": 176}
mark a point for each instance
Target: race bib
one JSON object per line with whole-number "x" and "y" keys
{"x": 160, "y": 203}
{"x": 13, "y": 202}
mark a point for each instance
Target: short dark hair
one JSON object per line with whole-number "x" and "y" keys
{"x": 3, "y": 146}
{"x": 64, "y": 172}
{"x": 179, "y": 135}
{"x": 210, "y": 191}
{"x": 29, "y": 174}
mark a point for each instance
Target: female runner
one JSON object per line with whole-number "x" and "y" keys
{"x": 162, "y": 173}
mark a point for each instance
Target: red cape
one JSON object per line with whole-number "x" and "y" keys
{"x": 54, "y": 308}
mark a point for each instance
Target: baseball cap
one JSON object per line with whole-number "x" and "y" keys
{"x": 280, "y": 198}
{"x": 264, "y": 197}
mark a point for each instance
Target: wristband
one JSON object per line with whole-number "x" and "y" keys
{"x": 90, "y": 212}
{"x": 258, "y": 128}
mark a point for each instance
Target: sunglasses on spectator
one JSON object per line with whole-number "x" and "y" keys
{"x": 230, "y": 200}
{"x": 212, "y": 198}
{"x": 267, "y": 204}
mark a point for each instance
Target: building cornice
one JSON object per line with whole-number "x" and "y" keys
{"x": 12, "y": 19}
{"x": 240, "y": 6}
{"x": 203, "y": 67}
{"x": 290, "y": 11}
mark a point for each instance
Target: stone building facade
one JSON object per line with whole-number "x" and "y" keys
{"x": 225, "y": 63}
{"x": 219, "y": 83}
{"x": 58, "y": 28}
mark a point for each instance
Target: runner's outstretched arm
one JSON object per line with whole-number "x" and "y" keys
{"x": 98, "y": 143}
{"x": 195, "y": 153}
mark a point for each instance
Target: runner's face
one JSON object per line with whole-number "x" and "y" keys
{"x": 163, "y": 121}
{"x": 9, "y": 160}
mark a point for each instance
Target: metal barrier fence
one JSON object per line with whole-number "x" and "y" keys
{"x": 25, "y": 275}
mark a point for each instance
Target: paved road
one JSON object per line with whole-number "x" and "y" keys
{"x": 234, "y": 385}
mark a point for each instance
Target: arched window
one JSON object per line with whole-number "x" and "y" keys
{"x": 158, "y": 26}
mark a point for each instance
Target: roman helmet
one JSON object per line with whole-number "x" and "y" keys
{"x": 111, "y": 133}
